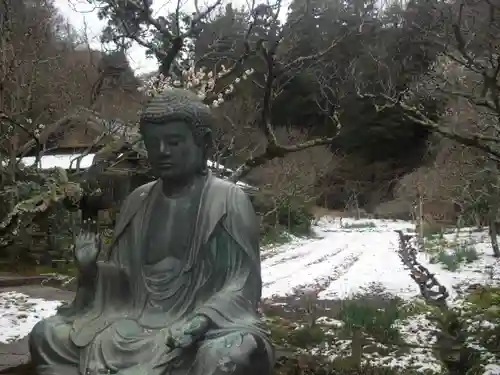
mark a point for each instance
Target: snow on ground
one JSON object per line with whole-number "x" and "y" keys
{"x": 19, "y": 313}
{"x": 355, "y": 257}
{"x": 417, "y": 352}
{"x": 344, "y": 259}
{"x": 492, "y": 370}
{"x": 359, "y": 256}
{"x": 485, "y": 270}
{"x": 417, "y": 331}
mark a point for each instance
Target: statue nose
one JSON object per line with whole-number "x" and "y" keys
{"x": 164, "y": 148}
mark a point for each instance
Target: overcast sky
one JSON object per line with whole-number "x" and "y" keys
{"x": 84, "y": 17}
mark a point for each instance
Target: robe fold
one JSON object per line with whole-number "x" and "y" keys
{"x": 121, "y": 322}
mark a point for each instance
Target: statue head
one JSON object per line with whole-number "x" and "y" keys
{"x": 177, "y": 130}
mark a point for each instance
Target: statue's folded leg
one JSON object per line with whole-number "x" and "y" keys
{"x": 51, "y": 349}
{"x": 235, "y": 353}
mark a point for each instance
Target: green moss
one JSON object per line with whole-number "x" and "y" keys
{"x": 415, "y": 308}
{"x": 485, "y": 297}
{"x": 285, "y": 333}
{"x": 279, "y": 329}
{"x": 375, "y": 320}
{"x": 433, "y": 232}
{"x": 307, "y": 337}
{"x": 435, "y": 244}
{"x": 349, "y": 366}
{"x": 362, "y": 225}
{"x": 451, "y": 254}
{"x": 274, "y": 236}
{"x": 481, "y": 317}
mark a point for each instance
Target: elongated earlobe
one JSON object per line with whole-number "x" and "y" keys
{"x": 204, "y": 157}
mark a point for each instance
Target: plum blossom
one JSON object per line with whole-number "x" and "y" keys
{"x": 201, "y": 81}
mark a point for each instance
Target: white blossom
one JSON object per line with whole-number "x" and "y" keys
{"x": 201, "y": 81}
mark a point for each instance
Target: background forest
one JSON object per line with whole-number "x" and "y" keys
{"x": 359, "y": 106}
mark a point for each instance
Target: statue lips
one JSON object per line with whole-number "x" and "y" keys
{"x": 164, "y": 165}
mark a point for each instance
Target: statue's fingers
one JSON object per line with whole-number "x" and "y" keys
{"x": 99, "y": 242}
{"x": 189, "y": 330}
{"x": 184, "y": 341}
{"x": 170, "y": 342}
{"x": 197, "y": 327}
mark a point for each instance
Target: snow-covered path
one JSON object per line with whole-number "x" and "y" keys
{"x": 341, "y": 263}
{"x": 358, "y": 257}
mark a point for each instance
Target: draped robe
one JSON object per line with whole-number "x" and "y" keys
{"x": 119, "y": 323}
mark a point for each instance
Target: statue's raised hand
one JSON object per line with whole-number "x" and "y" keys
{"x": 86, "y": 250}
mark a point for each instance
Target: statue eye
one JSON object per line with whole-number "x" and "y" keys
{"x": 151, "y": 142}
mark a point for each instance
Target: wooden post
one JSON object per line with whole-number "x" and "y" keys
{"x": 420, "y": 220}
{"x": 356, "y": 346}
{"x": 289, "y": 216}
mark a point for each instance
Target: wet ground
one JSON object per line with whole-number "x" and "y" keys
{"x": 17, "y": 353}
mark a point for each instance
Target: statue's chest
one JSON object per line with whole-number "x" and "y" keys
{"x": 171, "y": 228}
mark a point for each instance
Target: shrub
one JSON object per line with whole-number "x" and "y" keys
{"x": 362, "y": 225}
{"x": 376, "y": 320}
{"x": 453, "y": 258}
{"x": 281, "y": 218}
{"x": 274, "y": 235}
{"x": 295, "y": 217}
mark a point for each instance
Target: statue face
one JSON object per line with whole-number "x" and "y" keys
{"x": 172, "y": 150}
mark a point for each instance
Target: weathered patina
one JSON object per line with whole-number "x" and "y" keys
{"x": 178, "y": 291}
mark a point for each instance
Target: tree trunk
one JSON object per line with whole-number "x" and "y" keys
{"x": 420, "y": 222}
{"x": 493, "y": 234}
{"x": 493, "y": 205}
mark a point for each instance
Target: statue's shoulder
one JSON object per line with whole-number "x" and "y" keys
{"x": 141, "y": 190}
{"x": 228, "y": 188}
{"x": 238, "y": 210}
{"x": 229, "y": 194}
